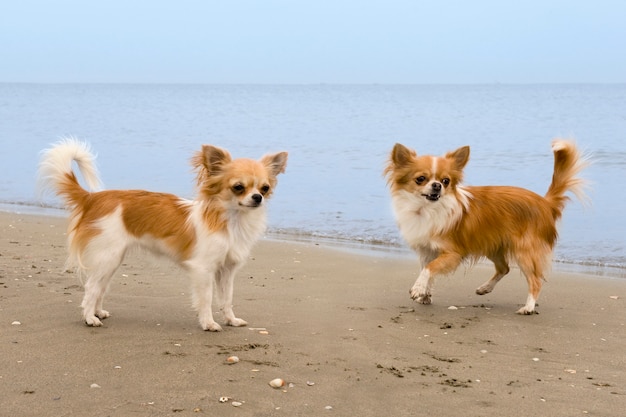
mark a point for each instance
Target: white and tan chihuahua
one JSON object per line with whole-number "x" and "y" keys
{"x": 210, "y": 236}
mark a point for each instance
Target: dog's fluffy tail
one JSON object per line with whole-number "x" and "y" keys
{"x": 56, "y": 174}
{"x": 568, "y": 162}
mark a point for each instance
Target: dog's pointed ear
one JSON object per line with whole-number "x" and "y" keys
{"x": 275, "y": 163}
{"x": 401, "y": 155}
{"x": 460, "y": 156}
{"x": 211, "y": 158}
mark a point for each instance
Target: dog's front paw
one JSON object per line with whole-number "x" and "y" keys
{"x": 93, "y": 321}
{"x": 483, "y": 289}
{"x": 529, "y": 307}
{"x": 526, "y": 311}
{"x": 423, "y": 299}
{"x": 419, "y": 296}
{"x": 103, "y": 314}
{"x": 237, "y": 322}
{"x": 210, "y": 326}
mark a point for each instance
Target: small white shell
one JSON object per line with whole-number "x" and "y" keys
{"x": 277, "y": 383}
{"x": 236, "y": 404}
{"x": 232, "y": 359}
{"x": 224, "y": 399}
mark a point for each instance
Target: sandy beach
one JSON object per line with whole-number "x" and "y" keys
{"x": 337, "y": 326}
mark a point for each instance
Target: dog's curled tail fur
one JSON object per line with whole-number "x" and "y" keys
{"x": 56, "y": 174}
{"x": 568, "y": 162}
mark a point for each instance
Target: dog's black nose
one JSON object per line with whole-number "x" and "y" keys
{"x": 436, "y": 186}
{"x": 257, "y": 198}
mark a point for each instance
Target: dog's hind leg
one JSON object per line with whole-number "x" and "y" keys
{"x": 534, "y": 287}
{"x": 502, "y": 268}
{"x": 532, "y": 268}
{"x": 202, "y": 282}
{"x": 99, "y": 275}
{"x": 225, "y": 280}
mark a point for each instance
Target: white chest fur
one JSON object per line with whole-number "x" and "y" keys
{"x": 230, "y": 246}
{"x": 420, "y": 220}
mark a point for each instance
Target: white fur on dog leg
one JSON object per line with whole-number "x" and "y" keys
{"x": 525, "y": 311}
{"x": 529, "y": 308}
{"x": 103, "y": 314}
{"x": 237, "y": 322}
{"x": 420, "y": 290}
{"x": 231, "y": 319}
{"x": 210, "y": 326}
{"x": 424, "y": 299}
{"x": 93, "y": 321}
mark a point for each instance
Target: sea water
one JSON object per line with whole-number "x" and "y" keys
{"x": 338, "y": 138}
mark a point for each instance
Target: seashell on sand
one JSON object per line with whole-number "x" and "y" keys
{"x": 277, "y": 383}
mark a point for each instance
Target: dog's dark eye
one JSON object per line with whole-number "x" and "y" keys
{"x": 238, "y": 188}
{"x": 445, "y": 181}
{"x": 420, "y": 180}
{"x": 265, "y": 189}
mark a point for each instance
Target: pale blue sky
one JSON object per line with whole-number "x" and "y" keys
{"x": 323, "y": 41}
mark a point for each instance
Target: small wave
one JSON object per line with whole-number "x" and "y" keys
{"x": 614, "y": 268}
{"x": 338, "y": 236}
{"x": 34, "y": 209}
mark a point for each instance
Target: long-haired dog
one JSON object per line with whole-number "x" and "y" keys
{"x": 210, "y": 236}
{"x": 446, "y": 222}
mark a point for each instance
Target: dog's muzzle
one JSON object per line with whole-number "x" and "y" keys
{"x": 257, "y": 199}
{"x": 435, "y": 192}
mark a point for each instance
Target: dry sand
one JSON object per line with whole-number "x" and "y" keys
{"x": 341, "y": 331}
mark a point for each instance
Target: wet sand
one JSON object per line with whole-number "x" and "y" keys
{"x": 337, "y": 326}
